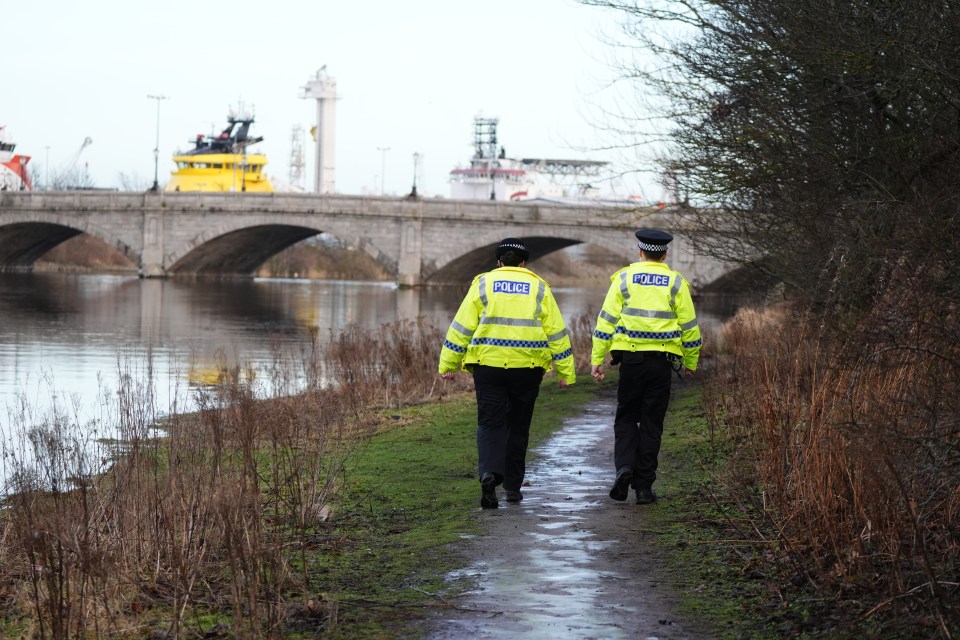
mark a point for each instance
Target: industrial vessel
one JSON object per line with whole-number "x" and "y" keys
{"x": 222, "y": 162}
{"x": 492, "y": 175}
{"x": 13, "y": 167}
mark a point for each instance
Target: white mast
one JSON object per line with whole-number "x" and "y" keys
{"x": 296, "y": 156}
{"x": 324, "y": 90}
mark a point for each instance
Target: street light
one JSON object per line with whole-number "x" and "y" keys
{"x": 383, "y": 166}
{"x": 416, "y": 164}
{"x": 156, "y": 149}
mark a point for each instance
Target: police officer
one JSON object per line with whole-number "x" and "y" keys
{"x": 647, "y": 322}
{"x": 508, "y": 332}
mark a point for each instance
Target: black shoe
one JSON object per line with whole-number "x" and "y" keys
{"x": 622, "y": 484}
{"x": 488, "y": 491}
{"x": 513, "y": 496}
{"x": 646, "y": 496}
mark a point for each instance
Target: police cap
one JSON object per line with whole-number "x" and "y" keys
{"x": 653, "y": 240}
{"x": 512, "y": 244}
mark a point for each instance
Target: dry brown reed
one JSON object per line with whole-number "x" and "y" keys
{"x": 581, "y": 340}
{"x": 847, "y": 443}
{"x": 212, "y": 515}
{"x": 215, "y": 513}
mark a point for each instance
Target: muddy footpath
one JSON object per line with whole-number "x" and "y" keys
{"x": 567, "y": 561}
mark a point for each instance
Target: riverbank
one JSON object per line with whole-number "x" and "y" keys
{"x": 341, "y": 512}
{"x": 350, "y": 527}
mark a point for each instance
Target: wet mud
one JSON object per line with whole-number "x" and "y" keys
{"x": 567, "y": 561}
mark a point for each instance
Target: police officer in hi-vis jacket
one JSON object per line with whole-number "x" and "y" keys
{"x": 508, "y": 332}
{"x": 647, "y": 322}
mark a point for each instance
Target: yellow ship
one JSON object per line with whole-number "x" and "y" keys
{"x": 222, "y": 163}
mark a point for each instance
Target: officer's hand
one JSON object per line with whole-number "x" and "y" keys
{"x": 597, "y": 372}
{"x": 688, "y": 373}
{"x": 564, "y": 384}
{"x": 449, "y": 375}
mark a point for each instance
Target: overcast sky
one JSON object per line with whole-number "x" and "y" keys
{"x": 410, "y": 77}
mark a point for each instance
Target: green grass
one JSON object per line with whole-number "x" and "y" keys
{"x": 412, "y": 490}
{"x": 695, "y": 530}
{"x": 409, "y": 493}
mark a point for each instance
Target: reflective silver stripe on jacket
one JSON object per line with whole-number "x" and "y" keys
{"x": 649, "y": 313}
{"x": 483, "y": 289}
{"x": 460, "y": 328}
{"x": 689, "y": 325}
{"x": 674, "y": 291}
{"x": 541, "y": 291}
{"x": 510, "y": 322}
{"x": 624, "y": 290}
{"x": 558, "y": 336}
{"x": 609, "y": 317}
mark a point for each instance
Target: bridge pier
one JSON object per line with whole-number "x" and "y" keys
{"x": 409, "y": 266}
{"x": 151, "y": 260}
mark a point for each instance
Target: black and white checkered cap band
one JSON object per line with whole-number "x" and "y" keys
{"x": 652, "y": 247}
{"x": 513, "y": 246}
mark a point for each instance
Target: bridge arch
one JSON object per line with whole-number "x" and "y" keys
{"x": 462, "y": 266}
{"x": 24, "y": 238}
{"x": 236, "y": 251}
{"x": 239, "y": 248}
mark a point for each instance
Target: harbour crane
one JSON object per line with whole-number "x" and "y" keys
{"x": 67, "y": 176}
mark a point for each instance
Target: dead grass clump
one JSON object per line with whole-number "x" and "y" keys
{"x": 581, "y": 340}
{"x": 847, "y": 442}
{"x": 212, "y": 519}
{"x": 183, "y": 523}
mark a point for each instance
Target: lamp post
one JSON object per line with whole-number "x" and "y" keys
{"x": 383, "y": 166}
{"x": 156, "y": 149}
{"x": 416, "y": 164}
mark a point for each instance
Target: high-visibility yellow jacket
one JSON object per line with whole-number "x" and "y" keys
{"x": 509, "y": 318}
{"x": 648, "y": 308}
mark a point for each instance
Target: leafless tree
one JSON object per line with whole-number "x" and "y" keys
{"x": 810, "y": 132}
{"x": 70, "y": 179}
{"x": 132, "y": 181}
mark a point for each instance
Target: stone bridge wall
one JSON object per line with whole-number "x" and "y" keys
{"x": 422, "y": 241}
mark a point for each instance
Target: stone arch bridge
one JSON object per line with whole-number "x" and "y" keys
{"x": 420, "y": 241}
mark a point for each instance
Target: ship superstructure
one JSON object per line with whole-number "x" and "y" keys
{"x": 494, "y": 176}
{"x": 222, "y": 162}
{"x": 13, "y": 167}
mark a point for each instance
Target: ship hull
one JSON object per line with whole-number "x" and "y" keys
{"x": 13, "y": 173}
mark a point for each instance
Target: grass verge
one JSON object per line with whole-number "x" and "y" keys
{"x": 409, "y": 492}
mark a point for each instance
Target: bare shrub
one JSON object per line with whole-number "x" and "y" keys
{"x": 581, "y": 340}
{"x": 391, "y": 367}
{"x": 217, "y": 511}
{"x": 214, "y": 510}
{"x": 847, "y": 433}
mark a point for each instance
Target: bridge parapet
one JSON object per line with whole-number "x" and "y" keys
{"x": 420, "y": 241}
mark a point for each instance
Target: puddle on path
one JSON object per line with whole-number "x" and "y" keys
{"x": 544, "y": 570}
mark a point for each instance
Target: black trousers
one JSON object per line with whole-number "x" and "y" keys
{"x": 505, "y": 401}
{"x": 643, "y": 395}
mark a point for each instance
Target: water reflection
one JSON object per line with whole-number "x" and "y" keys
{"x": 70, "y": 334}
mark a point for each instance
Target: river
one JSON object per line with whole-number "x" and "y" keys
{"x": 65, "y": 339}
{"x": 69, "y": 335}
